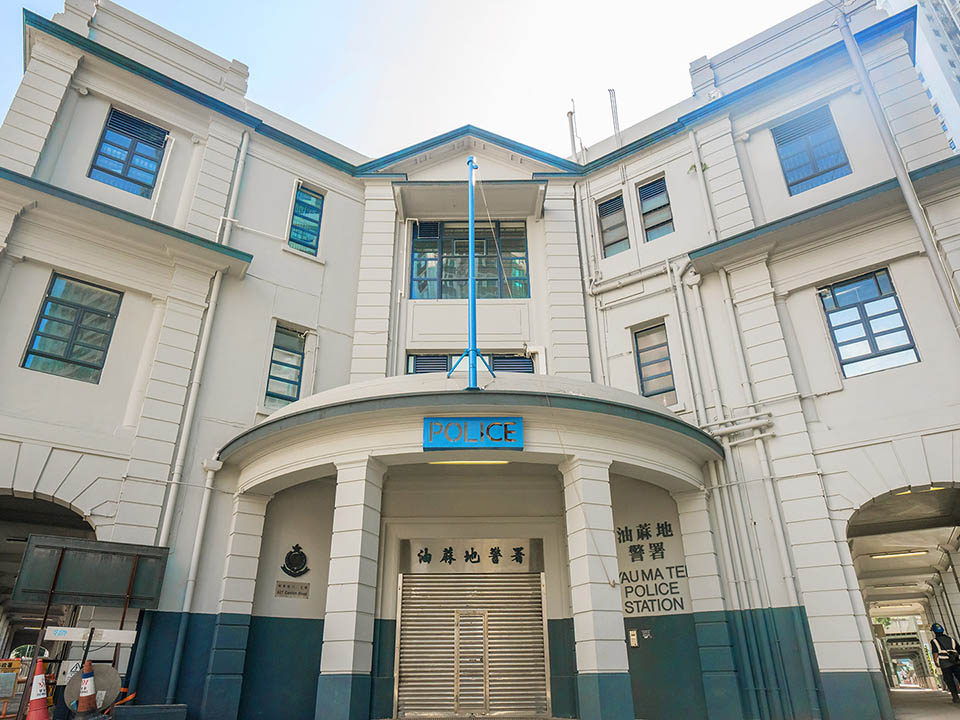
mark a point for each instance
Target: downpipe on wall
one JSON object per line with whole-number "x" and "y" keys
{"x": 766, "y": 631}
{"x": 211, "y": 467}
{"x": 920, "y": 220}
{"x": 774, "y": 507}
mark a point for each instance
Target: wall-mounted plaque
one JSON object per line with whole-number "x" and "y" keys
{"x": 298, "y": 590}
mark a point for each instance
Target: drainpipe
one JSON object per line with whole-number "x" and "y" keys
{"x": 211, "y": 466}
{"x": 766, "y": 631}
{"x": 920, "y": 221}
{"x": 167, "y": 152}
{"x": 235, "y": 190}
{"x": 704, "y": 192}
{"x": 589, "y": 318}
{"x": 772, "y": 496}
{"x": 189, "y": 412}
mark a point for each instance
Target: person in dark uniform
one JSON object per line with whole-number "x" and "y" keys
{"x": 946, "y": 652}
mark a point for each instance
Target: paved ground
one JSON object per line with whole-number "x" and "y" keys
{"x": 923, "y": 705}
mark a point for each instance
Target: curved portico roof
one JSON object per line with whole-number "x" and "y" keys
{"x": 442, "y": 394}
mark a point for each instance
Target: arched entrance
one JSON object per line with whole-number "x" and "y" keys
{"x": 904, "y": 547}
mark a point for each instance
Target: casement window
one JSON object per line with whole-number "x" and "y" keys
{"x": 613, "y": 226}
{"x": 286, "y": 368}
{"x": 129, "y": 154}
{"x": 867, "y": 324}
{"x": 73, "y": 329}
{"x": 439, "y": 264}
{"x": 655, "y": 209}
{"x": 810, "y": 151}
{"x": 305, "y": 223}
{"x": 653, "y": 364}
{"x": 417, "y": 364}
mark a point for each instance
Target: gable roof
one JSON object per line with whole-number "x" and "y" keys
{"x": 903, "y": 21}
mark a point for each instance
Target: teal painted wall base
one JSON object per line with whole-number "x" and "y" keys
{"x": 281, "y": 670}
{"x": 856, "y": 696}
{"x": 384, "y": 648}
{"x": 224, "y": 681}
{"x": 563, "y": 668}
{"x": 343, "y": 697}
{"x": 605, "y": 696}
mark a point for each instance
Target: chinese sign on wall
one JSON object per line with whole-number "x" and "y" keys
{"x": 490, "y": 555}
{"x": 653, "y": 573}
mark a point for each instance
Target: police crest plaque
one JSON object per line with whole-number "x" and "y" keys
{"x": 295, "y": 563}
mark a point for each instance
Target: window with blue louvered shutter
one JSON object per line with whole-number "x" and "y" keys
{"x": 810, "y": 150}
{"x": 417, "y": 364}
{"x": 305, "y": 224}
{"x": 613, "y": 226}
{"x": 655, "y": 209}
{"x": 129, "y": 154}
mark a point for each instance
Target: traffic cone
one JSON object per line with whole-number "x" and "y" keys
{"x": 88, "y": 691}
{"x": 37, "y": 709}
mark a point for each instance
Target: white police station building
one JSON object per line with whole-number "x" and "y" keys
{"x": 725, "y": 346}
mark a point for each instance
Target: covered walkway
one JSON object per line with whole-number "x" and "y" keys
{"x": 911, "y": 704}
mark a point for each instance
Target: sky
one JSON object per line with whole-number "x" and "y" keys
{"x": 378, "y": 76}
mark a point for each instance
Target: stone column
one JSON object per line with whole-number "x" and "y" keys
{"x": 343, "y": 689}
{"x": 224, "y": 679}
{"x": 603, "y": 680}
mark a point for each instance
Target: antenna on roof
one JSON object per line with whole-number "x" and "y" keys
{"x": 616, "y": 116}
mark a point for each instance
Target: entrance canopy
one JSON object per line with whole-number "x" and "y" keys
{"x": 397, "y": 419}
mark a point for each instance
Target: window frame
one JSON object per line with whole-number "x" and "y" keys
{"x": 286, "y": 399}
{"x": 668, "y": 205}
{"x": 666, "y": 345}
{"x": 626, "y": 225}
{"x": 438, "y": 280}
{"x": 299, "y": 247}
{"x": 808, "y": 150}
{"x": 76, "y": 327}
{"x": 864, "y": 319}
{"x": 131, "y": 153}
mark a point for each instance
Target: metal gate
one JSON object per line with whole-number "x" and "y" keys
{"x": 472, "y": 645}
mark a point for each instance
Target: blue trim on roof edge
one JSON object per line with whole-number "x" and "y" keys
{"x": 368, "y": 169}
{"x": 885, "y": 186}
{"x": 77, "y": 199}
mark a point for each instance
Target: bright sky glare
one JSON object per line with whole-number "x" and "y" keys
{"x": 379, "y": 75}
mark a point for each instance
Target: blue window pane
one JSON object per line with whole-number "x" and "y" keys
{"x": 887, "y": 322}
{"x": 115, "y": 164}
{"x": 879, "y": 307}
{"x": 109, "y": 164}
{"x": 660, "y": 231}
{"x": 850, "y": 332}
{"x": 881, "y": 362}
{"x": 857, "y": 291}
{"x": 844, "y": 316}
{"x": 893, "y": 340}
{"x": 140, "y": 175}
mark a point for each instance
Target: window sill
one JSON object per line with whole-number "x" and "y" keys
{"x": 301, "y": 254}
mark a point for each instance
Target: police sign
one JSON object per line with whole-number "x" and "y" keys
{"x": 490, "y": 433}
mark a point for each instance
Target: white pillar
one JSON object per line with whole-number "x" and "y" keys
{"x": 343, "y": 689}
{"x": 603, "y": 679}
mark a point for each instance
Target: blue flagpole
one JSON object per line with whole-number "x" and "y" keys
{"x": 472, "y": 297}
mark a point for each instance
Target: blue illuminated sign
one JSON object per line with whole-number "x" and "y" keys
{"x": 491, "y": 433}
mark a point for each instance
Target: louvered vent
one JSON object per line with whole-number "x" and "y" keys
{"x": 611, "y": 206}
{"x": 136, "y": 128}
{"x": 802, "y": 126}
{"x": 430, "y": 363}
{"x": 428, "y": 230}
{"x": 512, "y": 363}
{"x": 652, "y": 189}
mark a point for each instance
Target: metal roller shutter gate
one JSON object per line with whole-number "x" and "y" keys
{"x": 472, "y": 645}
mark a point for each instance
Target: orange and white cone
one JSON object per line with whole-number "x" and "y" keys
{"x": 87, "y": 703}
{"x": 37, "y": 709}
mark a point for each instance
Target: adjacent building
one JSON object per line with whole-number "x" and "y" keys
{"x": 716, "y": 339}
